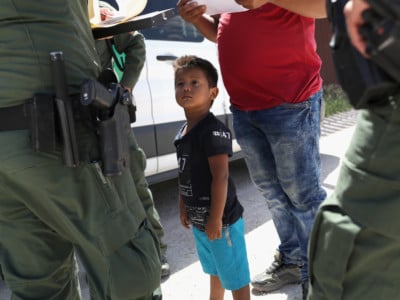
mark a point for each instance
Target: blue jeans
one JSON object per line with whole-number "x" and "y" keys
{"x": 281, "y": 150}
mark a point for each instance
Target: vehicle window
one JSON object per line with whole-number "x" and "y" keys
{"x": 175, "y": 29}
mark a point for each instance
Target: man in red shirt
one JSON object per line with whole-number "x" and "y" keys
{"x": 271, "y": 71}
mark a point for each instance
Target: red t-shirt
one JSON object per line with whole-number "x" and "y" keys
{"x": 268, "y": 56}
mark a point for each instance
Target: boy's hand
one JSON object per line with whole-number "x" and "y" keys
{"x": 182, "y": 214}
{"x": 214, "y": 229}
{"x": 184, "y": 221}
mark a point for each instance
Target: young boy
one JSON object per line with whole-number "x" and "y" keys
{"x": 207, "y": 195}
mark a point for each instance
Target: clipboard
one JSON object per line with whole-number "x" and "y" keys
{"x": 139, "y": 22}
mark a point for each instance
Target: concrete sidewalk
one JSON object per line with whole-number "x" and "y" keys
{"x": 191, "y": 283}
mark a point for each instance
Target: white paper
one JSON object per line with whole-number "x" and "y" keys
{"x": 215, "y": 7}
{"x": 127, "y": 11}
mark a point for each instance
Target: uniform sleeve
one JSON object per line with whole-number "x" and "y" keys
{"x": 133, "y": 46}
{"x": 104, "y": 54}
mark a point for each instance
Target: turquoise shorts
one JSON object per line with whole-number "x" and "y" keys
{"x": 225, "y": 257}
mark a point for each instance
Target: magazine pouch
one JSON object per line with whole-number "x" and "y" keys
{"x": 41, "y": 122}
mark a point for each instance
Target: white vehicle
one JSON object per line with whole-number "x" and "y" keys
{"x": 158, "y": 116}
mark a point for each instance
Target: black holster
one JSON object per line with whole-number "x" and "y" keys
{"x": 114, "y": 146}
{"x": 111, "y": 119}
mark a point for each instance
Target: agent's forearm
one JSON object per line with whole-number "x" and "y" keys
{"x": 308, "y": 8}
{"x": 207, "y": 26}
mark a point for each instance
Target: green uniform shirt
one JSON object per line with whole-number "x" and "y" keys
{"x": 25, "y": 45}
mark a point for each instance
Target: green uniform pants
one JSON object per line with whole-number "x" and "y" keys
{"x": 49, "y": 211}
{"x": 355, "y": 244}
{"x": 138, "y": 165}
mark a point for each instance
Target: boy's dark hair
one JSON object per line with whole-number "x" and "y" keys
{"x": 191, "y": 61}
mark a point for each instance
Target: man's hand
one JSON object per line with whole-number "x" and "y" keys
{"x": 353, "y": 14}
{"x": 190, "y": 10}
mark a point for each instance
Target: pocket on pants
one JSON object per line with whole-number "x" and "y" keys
{"x": 135, "y": 268}
{"x": 332, "y": 243}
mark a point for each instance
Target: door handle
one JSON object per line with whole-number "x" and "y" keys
{"x": 166, "y": 57}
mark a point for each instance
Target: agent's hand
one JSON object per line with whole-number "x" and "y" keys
{"x": 106, "y": 13}
{"x": 190, "y": 10}
{"x": 214, "y": 229}
{"x": 353, "y": 14}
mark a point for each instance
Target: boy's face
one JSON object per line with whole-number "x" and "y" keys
{"x": 192, "y": 90}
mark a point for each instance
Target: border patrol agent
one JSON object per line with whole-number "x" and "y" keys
{"x": 49, "y": 210}
{"x": 355, "y": 244}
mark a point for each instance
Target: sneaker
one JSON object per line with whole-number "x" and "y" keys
{"x": 165, "y": 268}
{"x": 276, "y": 276}
{"x": 304, "y": 288}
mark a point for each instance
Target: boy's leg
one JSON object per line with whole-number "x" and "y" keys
{"x": 216, "y": 290}
{"x": 242, "y": 293}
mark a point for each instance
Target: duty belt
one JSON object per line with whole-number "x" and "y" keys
{"x": 18, "y": 117}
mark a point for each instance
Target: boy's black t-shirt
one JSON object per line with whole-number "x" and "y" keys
{"x": 208, "y": 138}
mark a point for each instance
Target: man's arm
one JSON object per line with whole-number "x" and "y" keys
{"x": 308, "y": 8}
{"x": 193, "y": 13}
{"x": 132, "y": 44}
{"x": 352, "y": 12}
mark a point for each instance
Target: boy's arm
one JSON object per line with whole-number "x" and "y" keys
{"x": 193, "y": 13}
{"x": 219, "y": 167}
{"x": 182, "y": 213}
